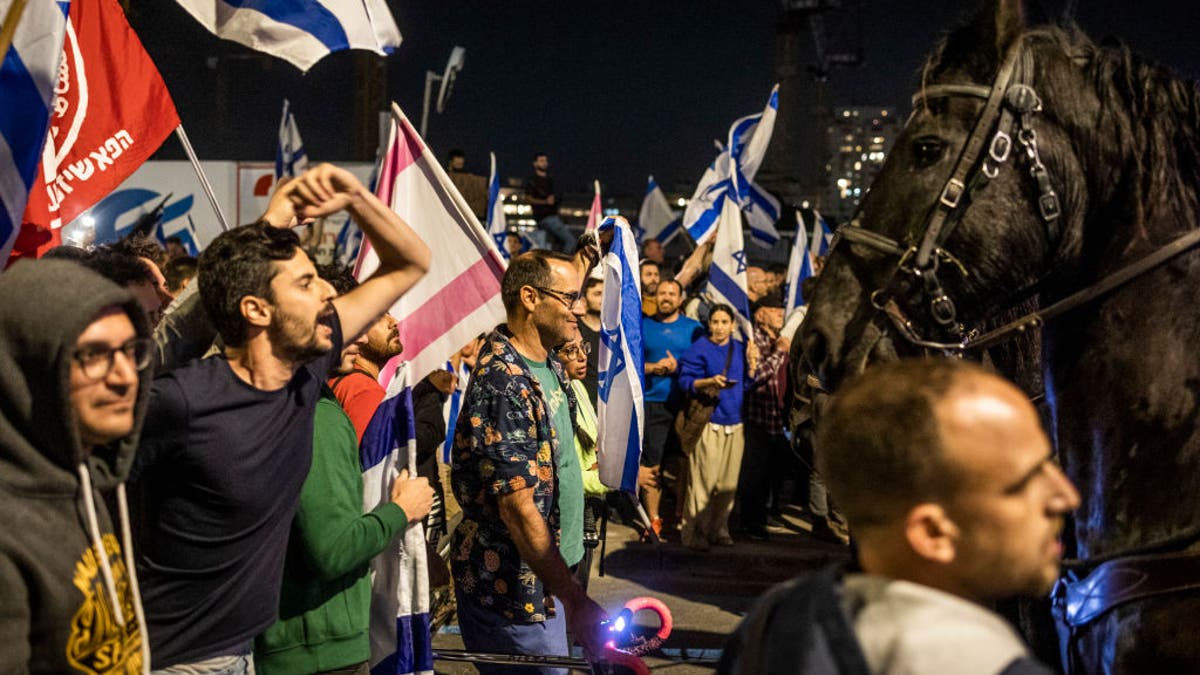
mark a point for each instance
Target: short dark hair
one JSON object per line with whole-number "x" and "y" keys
{"x": 539, "y": 154}
{"x": 528, "y": 269}
{"x": 777, "y": 268}
{"x": 674, "y": 282}
{"x": 179, "y": 270}
{"x": 341, "y": 277}
{"x": 120, "y": 267}
{"x": 67, "y": 252}
{"x": 173, "y": 239}
{"x": 646, "y": 262}
{"x": 879, "y": 444}
{"x": 238, "y": 263}
{"x": 591, "y": 281}
{"x": 455, "y": 153}
{"x": 722, "y": 307}
{"x": 142, "y": 246}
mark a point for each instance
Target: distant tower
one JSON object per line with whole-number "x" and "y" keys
{"x": 812, "y": 37}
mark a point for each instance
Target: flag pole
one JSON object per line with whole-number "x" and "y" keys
{"x": 11, "y": 18}
{"x": 208, "y": 191}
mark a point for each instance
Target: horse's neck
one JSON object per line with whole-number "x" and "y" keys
{"x": 1123, "y": 383}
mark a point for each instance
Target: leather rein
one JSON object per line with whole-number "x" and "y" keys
{"x": 1009, "y": 107}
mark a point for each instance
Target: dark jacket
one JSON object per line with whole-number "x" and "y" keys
{"x": 803, "y": 627}
{"x": 63, "y": 608}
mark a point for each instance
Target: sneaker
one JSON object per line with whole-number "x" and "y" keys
{"x": 656, "y": 524}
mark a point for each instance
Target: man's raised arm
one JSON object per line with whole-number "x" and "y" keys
{"x": 403, "y": 256}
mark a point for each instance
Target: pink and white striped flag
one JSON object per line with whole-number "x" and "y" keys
{"x": 460, "y": 296}
{"x": 597, "y": 213}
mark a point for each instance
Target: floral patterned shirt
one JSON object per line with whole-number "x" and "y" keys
{"x": 504, "y": 441}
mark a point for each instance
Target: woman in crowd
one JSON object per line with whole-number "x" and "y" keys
{"x": 714, "y": 368}
{"x": 574, "y": 355}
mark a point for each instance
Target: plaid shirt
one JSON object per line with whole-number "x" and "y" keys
{"x": 505, "y": 441}
{"x": 764, "y": 396}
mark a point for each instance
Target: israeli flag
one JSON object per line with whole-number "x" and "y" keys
{"x": 401, "y": 642}
{"x": 656, "y": 218}
{"x": 799, "y": 268}
{"x": 290, "y": 158}
{"x": 496, "y": 223}
{"x": 300, "y": 32}
{"x": 727, "y": 282}
{"x": 731, "y": 175}
{"x": 620, "y": 419}
{"x": 822, "y": 235}
{"x": 28, "y": 75}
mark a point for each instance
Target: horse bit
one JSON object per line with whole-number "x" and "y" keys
{"x": 1009, "y": 103}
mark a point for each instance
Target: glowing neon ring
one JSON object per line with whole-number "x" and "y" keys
{"x": 664, "y": 616}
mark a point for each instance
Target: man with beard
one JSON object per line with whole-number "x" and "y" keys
{"x": 589, "y": 329}
{"x": 228, "y": 441}
{"x": 665, "y": 337}
{"x": 518, "y": 510}
{"x": 649, "y": 274}
{"x": 951, "y": 489}
{"x": 359, "y": 391}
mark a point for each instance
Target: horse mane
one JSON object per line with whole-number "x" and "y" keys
{"x": 1149, "y": 119}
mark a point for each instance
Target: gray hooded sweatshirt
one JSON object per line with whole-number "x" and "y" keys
{"x": 68, "y": 593}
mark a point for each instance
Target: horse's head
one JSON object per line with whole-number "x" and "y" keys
{"x": 948, "y": 234}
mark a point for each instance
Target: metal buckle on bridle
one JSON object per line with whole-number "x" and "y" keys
{"x": 952, "y": 193}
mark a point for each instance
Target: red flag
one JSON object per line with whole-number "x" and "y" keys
{"x": 111, "y": 111}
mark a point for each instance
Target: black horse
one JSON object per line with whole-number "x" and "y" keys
{"x": 1037, "y": 164}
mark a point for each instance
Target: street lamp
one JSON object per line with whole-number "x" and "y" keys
{"x": 453, "y": 65}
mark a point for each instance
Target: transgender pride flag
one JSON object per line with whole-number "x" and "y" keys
{"x": 460, "y": 296}
{"x": 400, "y": 637}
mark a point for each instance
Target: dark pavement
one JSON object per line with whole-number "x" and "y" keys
{"x": 707, "y": 593}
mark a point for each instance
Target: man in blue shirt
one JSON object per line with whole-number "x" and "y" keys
{"x": 665, "y": 337}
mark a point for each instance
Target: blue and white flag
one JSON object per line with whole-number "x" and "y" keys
{"x": 799, "y": 268}
{"x": 732, "y": 174}
{"x": 821, "y": 236}
{"x": 727, "y": 283}
{"x": 27, "y": 78}
{"x": 453, "y": 405}
{"x": 656, "y": 218}
{"x": 496, "y": 222}
{"x": 300, "y": 32}
{"x": 290, "y": 158}
{"x": 620, "y": 417}
{"x": 400, "y": 637}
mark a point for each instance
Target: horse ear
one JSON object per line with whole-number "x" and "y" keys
{"x": 1000, "y": 23}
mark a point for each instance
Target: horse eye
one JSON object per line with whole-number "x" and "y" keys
{"x": 927, "y": 151}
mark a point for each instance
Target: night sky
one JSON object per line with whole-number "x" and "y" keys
{"x": 612, "y": 90}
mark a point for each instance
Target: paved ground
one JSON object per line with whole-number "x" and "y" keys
{"x": 707, "y": 593}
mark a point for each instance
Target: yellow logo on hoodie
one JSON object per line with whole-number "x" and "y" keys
{"x": 98, "y": 643}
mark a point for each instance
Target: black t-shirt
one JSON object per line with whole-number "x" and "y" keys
{"x": 541, "y": 187}
{"x": 217, "y": 480}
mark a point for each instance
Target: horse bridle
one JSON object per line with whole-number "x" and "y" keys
{"x": 1010, "y": 103}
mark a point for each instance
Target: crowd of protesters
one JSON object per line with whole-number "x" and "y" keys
{"x": 232, "y": 393}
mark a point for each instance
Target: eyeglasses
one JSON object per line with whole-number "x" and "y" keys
{"x": 97, "y": 361}
{"x": 575, "y": 351}
{"x": 567, "y": 299}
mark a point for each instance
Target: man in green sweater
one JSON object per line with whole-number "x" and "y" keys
{"x": 326, "y": 597}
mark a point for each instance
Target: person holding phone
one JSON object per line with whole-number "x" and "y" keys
{"x": 714, "y": 366}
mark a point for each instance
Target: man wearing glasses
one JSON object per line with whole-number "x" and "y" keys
{"x": 74, "y": 351}
{"x": 515, "y": 425}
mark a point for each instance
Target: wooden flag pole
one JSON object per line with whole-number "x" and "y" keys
{"x": 208, "y": 191}
{"x": 11, "y": 18}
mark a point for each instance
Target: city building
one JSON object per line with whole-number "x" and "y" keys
{"x": 858, "y": 138}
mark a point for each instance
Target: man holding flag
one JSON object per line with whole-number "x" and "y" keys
{"x": 518, "y": 511}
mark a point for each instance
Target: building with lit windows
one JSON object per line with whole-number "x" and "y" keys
{"x": 858, "y": 139}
